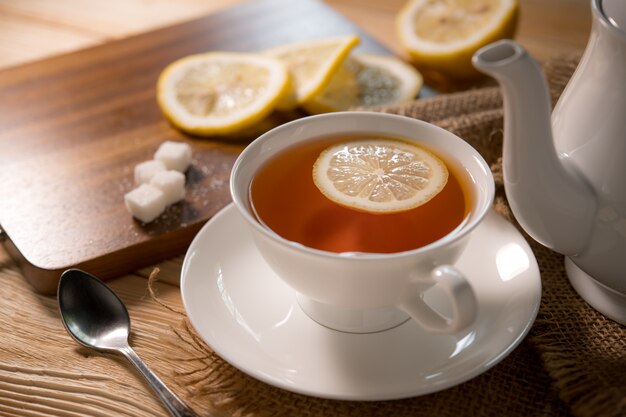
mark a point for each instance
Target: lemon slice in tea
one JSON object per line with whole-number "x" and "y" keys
{"x": 367, "y": 80}
{"x": 311, "y": 65}
{"x": 219, "y": 93}
{"x": 379, "y": 175}
{"x": 441, "y": 36}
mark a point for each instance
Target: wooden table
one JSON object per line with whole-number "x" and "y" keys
{"x": 34, "y": 29}
{"x": 42, "y": 371}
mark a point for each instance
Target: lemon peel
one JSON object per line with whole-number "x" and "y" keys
{"x": 311, "y": 65}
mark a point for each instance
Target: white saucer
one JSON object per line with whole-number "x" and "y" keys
{"x": 249, "y": 317}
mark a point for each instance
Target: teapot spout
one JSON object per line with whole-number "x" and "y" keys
{"x": 549, "y": 198}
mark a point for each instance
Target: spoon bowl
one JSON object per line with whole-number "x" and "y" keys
{"x": 96, "y": 317}
{"x": 93, "y": 314}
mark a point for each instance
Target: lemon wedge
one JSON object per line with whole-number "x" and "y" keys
{"x": 311, "y": 65}
{"x": 442, "y": 35}
{"x": 367, "y": 80}
{"x": 379, "y": 175}
{"x": 219, "y": 93}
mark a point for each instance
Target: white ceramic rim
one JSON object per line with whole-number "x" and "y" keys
{"x": 242, "y": 204}
{"x": 597, "y": 7}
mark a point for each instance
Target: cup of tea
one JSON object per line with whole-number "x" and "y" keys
{"x": 361, "y": 213}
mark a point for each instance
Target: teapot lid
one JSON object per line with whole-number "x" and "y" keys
{"x": 613, "y": 11}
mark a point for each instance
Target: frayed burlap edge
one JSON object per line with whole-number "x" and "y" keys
{"x": 583, "y": 351}
{"x": 210, "y": 376}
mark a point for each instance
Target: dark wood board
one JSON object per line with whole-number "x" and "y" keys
{"x": 73, "y": 127}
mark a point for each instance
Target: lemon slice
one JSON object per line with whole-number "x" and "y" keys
{"x": 340, "y": 94}
{"x": 379, "y": 175}
{"x": 367, "y": 80}
{"x": 442, "y": 35}
{"x": 219, "y": 93}
{"x": 311, "y": 65}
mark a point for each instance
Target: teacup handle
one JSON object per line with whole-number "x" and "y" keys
{"x": 461, "y": 297}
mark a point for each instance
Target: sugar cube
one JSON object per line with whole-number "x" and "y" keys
{"x": 146, "y": 170}
{"x": 171, "y": 183}
{"x": 145, "y": 202}
{"x": 174, "y": 155}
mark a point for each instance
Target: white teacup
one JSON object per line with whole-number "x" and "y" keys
{"x": 371, "y": 292}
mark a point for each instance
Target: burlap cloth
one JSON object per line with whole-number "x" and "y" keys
{"x": 573, "y": 362}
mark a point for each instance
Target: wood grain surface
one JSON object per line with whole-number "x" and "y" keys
{"x": 73, "y": 127}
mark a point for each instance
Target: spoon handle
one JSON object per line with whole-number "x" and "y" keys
{"x": 174, "y": 405}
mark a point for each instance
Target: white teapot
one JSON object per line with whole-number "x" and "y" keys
{"x": 565, "y": 173}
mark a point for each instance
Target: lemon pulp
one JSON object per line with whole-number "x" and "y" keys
{"x": 379, "y": 175}
{"x": 442, "y": 35}
{"x": 218, "y": 93}
{"x": 311, "y": 65}
{"x": 367, "y": 80}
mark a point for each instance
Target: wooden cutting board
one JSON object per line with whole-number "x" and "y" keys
{"x": 73, "y": 127}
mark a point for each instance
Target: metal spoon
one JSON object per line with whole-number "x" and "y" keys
{"x": 95, "y": 317}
